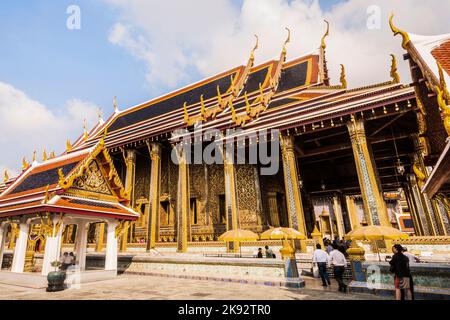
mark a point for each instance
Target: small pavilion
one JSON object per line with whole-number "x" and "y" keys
{"x": 76, "y": 188}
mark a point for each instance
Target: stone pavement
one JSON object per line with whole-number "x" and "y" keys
{"x": 130, "y": 287}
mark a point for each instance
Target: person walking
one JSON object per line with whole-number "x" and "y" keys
{"x": 269, "y": 252}
{"x": 339, "y": 263}
{"x": 402, "y": 274}
{"x": 321, "y": 259}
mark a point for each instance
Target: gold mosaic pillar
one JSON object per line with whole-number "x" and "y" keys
{"x": 130, "y": 162}
{"x": 273, "y": 209}
{"x": 155, "y": 190}
{"x": 337, "y": 209}
{"x": 418, "y": 223}
{"x": 371, "y": 191}
{"x": 351, "y": 209}
{"x": 183, "y": 200}
{"x": 100, "y": 237}
{"x": 231, "y": 202}
{"x": 421, "y": 206}
{"x": 293, "y": 195}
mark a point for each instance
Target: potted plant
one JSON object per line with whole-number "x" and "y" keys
{"x": 56, "y": 278}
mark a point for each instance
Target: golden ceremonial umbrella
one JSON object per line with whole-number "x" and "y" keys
{"x": 282, "y": 234}
{"x": 374, "y": 233}
{"x": 238, "y": 235}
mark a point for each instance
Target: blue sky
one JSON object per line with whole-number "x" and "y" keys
{"x": 52, "y": 64}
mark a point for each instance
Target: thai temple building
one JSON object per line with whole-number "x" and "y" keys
{"x": 344, "y": 157}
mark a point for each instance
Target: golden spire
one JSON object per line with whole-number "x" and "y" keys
{"x": 100, "y": 115}
{"x": 397, "y": 31}
{"x": 442, "y": 83}
{"x": 116, "y": 109}
{"x": 444, "y": 108}
{"x": 327, "y": 33}
{"x": 68, "y": 145}
{"x": 394, "y": 71}
{"x": 202, "y": 106}
{"x": 61, "y": 175}
{"x": 44, "y": 156}
{"x": 52, "y": 155}
{"x": 34, "y": 156}
{"x": 85, "y": 134}
{"x": 287, "y": 40}
{"x": 343, "y": 80}
{"x": 186, "y": 114}
{"x": 25, "y": 164}
{"x": 252, "y": 55}
{"x": 6, "y": 176}
{"x": 219, "y": 95}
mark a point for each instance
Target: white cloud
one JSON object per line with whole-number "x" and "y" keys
{"x": 176, "y": 37}
{"x": 27, "y": 125}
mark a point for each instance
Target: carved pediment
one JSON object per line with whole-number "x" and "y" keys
{"x": 92, "y": 180}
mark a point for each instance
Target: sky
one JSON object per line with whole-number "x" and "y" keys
{"x": 53, "y": 77}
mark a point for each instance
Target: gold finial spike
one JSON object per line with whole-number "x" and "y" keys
{"x": 327, "y": 33}
{"x": 252, "y": 56}
{"x": 397, "y": 31}
{"x": 394, "y": 71}
{"x": 68, "y": 145}
{"x": 116, "y": 108}
{"x": 343, "y": 79}
{"x": 442, "y": 83}
{"x": 219, "y": 95}
{"x": 6, "y": 176}
{"x": 46, "y": 198}
{"x": 99, "y": 115}
{"x": 233, "y": 112}
{"x": 24, "y": 164}
{"x": 44, "y": 156}
{"x": 61, "y": 175}
{"x": 85, "y": 134}
{"x": 34, "y": 156}
{"x": 202, "y": 105}
{"x": 186, "y": 114}
{"x": 52, "y": 155}
{"x": 288, "y": 39}
{"x": 247, "y": 103}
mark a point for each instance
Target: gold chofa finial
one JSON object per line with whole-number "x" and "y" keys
{"x": 52, "y": 155}
{"x": 116, "y": 108}
{"x": 327, "y": 33}
{"x": 397, "y": 31}
{"x": 44, "y": 155}
{"x": 252, "y": 56}
{"x": 25, "y": 164}
{"x": 288, "y": 39}
{"x": 394, "y": 72}
{"x": 445, "y": 109}
{"x": 6, "y": 176}
{"x": 442, "y": 84}
{"x": 85, "y": 134}
{"x": 34, "y": 156}
{"x": 343, "y": 79}
{"x": 68, "y": 145}
{"x": 99, "y": 115}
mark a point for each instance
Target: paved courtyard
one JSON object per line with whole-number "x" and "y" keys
{"x": 129, "y": 287}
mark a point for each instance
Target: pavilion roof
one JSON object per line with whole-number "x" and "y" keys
{"x": 84, "y": 182}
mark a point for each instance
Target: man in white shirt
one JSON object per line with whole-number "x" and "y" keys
{"x": 339, "y": 263}
{"x": 322, "y": 259}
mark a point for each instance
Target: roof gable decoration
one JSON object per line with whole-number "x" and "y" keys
{"x": 237, "y": 84}
{"x": 95, "y": 174}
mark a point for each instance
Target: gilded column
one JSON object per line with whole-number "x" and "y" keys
{"x": 100, "y": 237}
{"x": 337, "y": 209}
{"x": 183, "y": 200}
{"x": 273, "y": 209}
{"x": 231, "y": 201}
{"x": 155, "y": 190}
{"x": 418, "y": 224}
{"x": 351, "y": 209}
{"x": 293, "y": 195}
{"x": 421, "y": 207}
{"x": 371, "y": 191}
{"x": 130, "y": 162}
